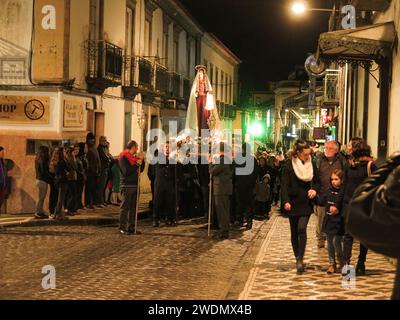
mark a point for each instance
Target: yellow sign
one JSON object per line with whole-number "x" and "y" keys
{"x": 73, "y": 114}
{"x": 24, "y": 110}
{"x": 51, "y": 41}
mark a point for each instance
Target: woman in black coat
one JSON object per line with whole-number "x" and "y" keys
{"x": 360, "y": 167}
{"x": 374, "y": 215}
{"x": 299, "y": 187}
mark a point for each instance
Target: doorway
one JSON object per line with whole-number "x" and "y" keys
{"x": 99, "y": 126}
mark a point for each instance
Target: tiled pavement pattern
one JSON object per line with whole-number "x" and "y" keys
{"x": 94, "y": 262}
{"x": 273, "y": 275}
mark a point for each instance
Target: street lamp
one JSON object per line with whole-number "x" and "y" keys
{"x": 300, "y": 7}
{"x": 211, "y": 124}
{"x": 142, "y": 120}
{"x": 141, "y": 123}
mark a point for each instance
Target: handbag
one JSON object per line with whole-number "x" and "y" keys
{"x": 372, "y": 221}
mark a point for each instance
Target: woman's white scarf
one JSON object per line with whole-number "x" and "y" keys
{"x": 303, "y": 171}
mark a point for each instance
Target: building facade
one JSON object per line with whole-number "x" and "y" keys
{"x": 367, "y": 63}
{"x": 223, "y": 71}
{"x": 117, "y": 68}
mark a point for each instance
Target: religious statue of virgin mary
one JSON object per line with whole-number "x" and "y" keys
{"x": 201, "y": 109}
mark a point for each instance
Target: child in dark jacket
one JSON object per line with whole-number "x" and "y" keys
{"x": 333, "y": 224}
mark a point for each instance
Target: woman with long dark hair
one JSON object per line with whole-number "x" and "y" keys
{"x": 60, "y": 168}
{"x": 43, "y": 179}
{"x": 360, "y": 166}
{"x": 299, "y": 187}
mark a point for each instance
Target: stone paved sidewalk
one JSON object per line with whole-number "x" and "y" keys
{"x": 105, "y": 215}
{"x": 273, "y": 275}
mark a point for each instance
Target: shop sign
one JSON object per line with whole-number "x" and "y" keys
{"x": 74, "y": 111}
{"x": 24, "y": 110}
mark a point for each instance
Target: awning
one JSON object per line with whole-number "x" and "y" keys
{"x": 371, "y": 5}
{"x": 365, "y": 43}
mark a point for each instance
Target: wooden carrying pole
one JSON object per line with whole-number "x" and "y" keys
{"x": 210, "y": 206}
{"x": 137, "y": 199}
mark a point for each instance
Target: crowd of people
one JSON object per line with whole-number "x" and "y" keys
{"x": 324, "y": 183}
{"x": 181, "y": 189}
{"x": 78, "y": 176}
{"x": 342, "y": 188}
{"x": 306, "y": 180}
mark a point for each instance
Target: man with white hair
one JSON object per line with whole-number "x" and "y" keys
{"x": 330, "y": 161}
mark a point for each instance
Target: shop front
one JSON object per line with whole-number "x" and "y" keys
{"x": 29, "y": 120}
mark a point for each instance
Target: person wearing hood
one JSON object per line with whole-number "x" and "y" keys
{"x": 130, "y": 165}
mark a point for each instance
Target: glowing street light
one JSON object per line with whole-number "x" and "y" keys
{"x": 256, "y": 129}
{"x": 299, "y": 7}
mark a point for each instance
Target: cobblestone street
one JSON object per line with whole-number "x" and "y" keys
{"x": 98, "y": 263}
{"x": 95, "y": 262}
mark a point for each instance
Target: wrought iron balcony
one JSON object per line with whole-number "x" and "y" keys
{"x": 145, "y": 73}
{"x": 104, "y": 65}
{"x": 130, "y": 71}
{"x": 162, "y": 79}
{"x": 186, "y": 90}
{"x": 226, "y": 111}
{"x": 175, "y": 85}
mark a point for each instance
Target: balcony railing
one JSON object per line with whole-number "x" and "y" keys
{"x": 175, "y": 85}
{"x": 129, "y": 71}
{"x": 226, "y": 111}
{"x": 162, "y": 79}
{"x": 104, "y": 65}
{"x": 186, "y": 90}
{"x": 145, "y": 73}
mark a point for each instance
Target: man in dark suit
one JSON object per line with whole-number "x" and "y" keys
{"x": 222, "y": 172}
{"x": 165, "y": 201}
{"x": 245, "y": 184}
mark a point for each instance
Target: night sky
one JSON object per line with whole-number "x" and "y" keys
{"x": 263, "y": 34}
